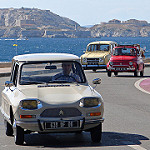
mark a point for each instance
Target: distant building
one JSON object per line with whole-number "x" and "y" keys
{"x": 115, "y": 21}
{"x": 137, "y": 22}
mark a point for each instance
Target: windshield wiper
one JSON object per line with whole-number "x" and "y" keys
{"x": 31, "y": 82}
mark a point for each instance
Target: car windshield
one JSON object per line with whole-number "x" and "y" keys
{"x": 98, "y": 47}
{"x": 124, "y": 51}
{"x": 52, "y": 72}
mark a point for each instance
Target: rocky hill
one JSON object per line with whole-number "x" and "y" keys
{"x": 33, "y": 22}
{"x": 27, "y": 22}
{"x": 116, "y": 28}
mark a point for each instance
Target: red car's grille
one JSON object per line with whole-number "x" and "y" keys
{"x": 120, "y": 64}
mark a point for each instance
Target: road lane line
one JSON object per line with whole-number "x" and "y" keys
{"x": 137, "y": 147}
{"x": 137, "y": 85}
{"x": 133, "y": 145}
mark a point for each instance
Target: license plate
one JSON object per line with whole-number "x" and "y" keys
{"x": 62, "y": 124}
{"x": 121, "y": 69}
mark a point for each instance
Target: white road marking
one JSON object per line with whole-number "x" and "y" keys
{"x": 137, "y": 85}
{"x": 137, "y": 147}
{"x": 133, "y": 145}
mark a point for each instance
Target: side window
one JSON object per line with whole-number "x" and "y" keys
{"x": 14, "y": 75}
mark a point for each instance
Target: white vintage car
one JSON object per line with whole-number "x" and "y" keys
{"x": 43, "y": 96}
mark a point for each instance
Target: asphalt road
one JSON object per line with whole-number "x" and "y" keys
{"x": 126, "y": 125}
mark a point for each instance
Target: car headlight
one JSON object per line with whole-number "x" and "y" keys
{"x": 89, "y": 102}
{"x": 100, "y": 59}
{"x": 84, "y": 60}
{"x": 111, "y": 63}
{"x": 30, "y": 104}
{"x": 130, "y": 63}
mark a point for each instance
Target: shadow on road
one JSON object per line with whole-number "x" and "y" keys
{"x": 82, "y": 140}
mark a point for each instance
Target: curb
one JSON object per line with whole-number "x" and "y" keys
{"x": 137, "y": 85}
{"x": 147, "y": 64}
{"x": 5, "y": 74}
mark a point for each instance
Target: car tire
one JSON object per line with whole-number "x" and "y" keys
{"x": 109, "y": 73}
{"x": 9, "y": 128}
{"x": 142, "y": 73}
{"x": 96, "y": 133}
{"x": 115, "y": 73}
{"x": 94, "y": 70}
{"x": 135, "y": 73}
{"x": 19, "y": 135}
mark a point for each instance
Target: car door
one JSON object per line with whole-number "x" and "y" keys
{"x": 8, "y": 92}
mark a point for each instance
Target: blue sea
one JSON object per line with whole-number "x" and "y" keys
{"x": 60, "y": 45}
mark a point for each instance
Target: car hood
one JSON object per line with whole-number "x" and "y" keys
{"x": 95, "y": 54}
{"x": 123, "y": 58}
{"x": 59, "y": 94}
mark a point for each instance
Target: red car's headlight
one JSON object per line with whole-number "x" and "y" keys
{"x": 111, "y": 63}
{"x": 130, "y": 63}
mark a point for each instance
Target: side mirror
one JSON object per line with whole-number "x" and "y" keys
{"x": 97, "y": 81}
{"x": 8, "y": 84}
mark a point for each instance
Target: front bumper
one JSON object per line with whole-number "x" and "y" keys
{"x": 103, "y": 66}
{"x": 121, "y": 69}
{"x": 39, "y": 125}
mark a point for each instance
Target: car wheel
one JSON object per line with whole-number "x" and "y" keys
{"x": 141, "y": 73}
{"x": 135, "y": 73}
{"x": 94, "y": 70}
{"x": 115, "y": 73}
{"x": 9, "y": 129}
{"x": 78, "y": 132}
{"x": 18, "y": 134}
{"x": 109, "y": 73}
{"x": 96, "y": 133}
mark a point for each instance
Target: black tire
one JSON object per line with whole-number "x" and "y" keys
{"x": 142, "y": 72}
{"x": 19, "y": 135}
{"x": 79, "y": 132}
{"x": 109, "y": 73}
{"x": 9, "y": 128}
{"x": 135, "y": 73}
{"x": 115, "y": 73}
{"x": 96, "y": 133}
{"x": 94, "y": 70}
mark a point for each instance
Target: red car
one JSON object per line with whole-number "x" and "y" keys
{"x": 126, "y": 58}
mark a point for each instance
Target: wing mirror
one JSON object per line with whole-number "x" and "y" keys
{"x": 9, "y": 84}
{"x": 97, "y": 81}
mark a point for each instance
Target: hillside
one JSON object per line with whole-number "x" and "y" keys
{"x": 116, "y": 28}
{"x": 33, "y": 22}
{"x": 27, "y": 22}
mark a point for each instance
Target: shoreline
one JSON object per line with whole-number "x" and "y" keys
{"x": 8, "y": 64}
{"x": 5, "y": 64}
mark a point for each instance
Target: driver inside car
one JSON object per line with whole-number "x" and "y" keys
{"x": 67, "y": 74}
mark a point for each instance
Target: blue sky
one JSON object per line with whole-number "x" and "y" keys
{"x": 88, "y": 12}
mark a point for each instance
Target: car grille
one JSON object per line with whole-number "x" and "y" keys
{"x": 61, "y": 112}
{"x": 92, "y": 60}
{"x": 122, "y": 63}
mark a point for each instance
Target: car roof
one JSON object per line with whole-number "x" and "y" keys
{"x": 102, "y": 42}
{"x": 45, "y": 57}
